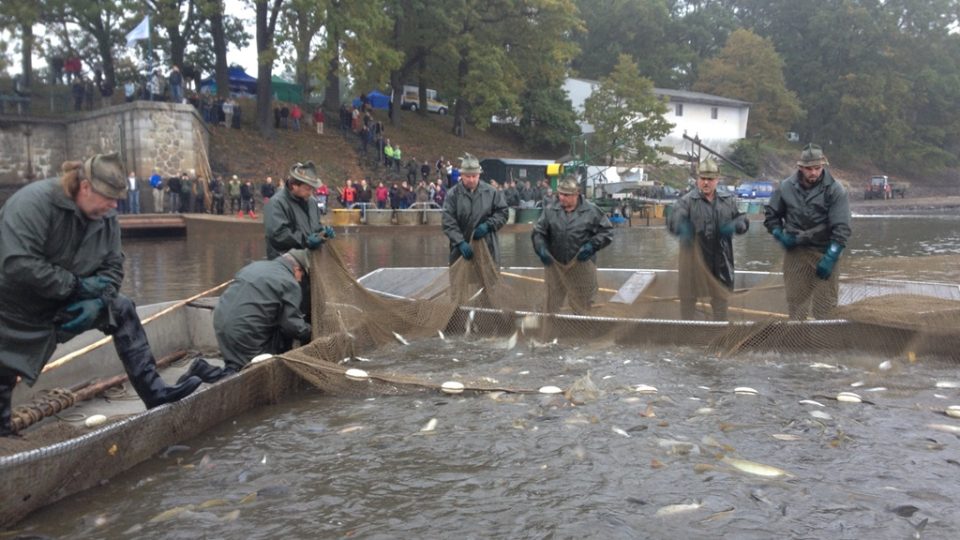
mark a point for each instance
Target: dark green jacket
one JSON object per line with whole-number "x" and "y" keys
{"x": 262, "y": 302}
{"x": 817, "y": 216}
{"x": 564, "y": 233}
{"x": 288, "y": 221}
{"x": 706, "y": 218}
{"x": 464, "y": 210}
{"x": 45, "y": 244}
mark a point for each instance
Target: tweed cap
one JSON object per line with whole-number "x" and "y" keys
{"x": 107, "y": 175}
{"x": 568, "y": 185}
{"x": 708, "y": 169}
{"x": 305, "y": 172}
{"x": 469, "y": 164}
{"x": 812, "y": 155}
{"x": 302, "y": 258}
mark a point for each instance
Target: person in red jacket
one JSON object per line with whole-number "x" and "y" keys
{"x": 382, "y": 194}
{"x": 318, "y": 120}
{"x": 296, "y": 114}
{"x": 349, "y": 194}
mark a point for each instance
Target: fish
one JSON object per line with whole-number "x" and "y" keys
{"x": 429, "y": 426}
{"x": 173, "y": 449}
{"x": 754, "y": 468}
{"x": 811, "y": 402}
{"x": 264, "y": 460}
{"x": 170, "y": 514}
{"x": 529, "y": 322}
{"x": 350, "y": 429}
{"x": 885, "y": 365}
{"x": 785, "y": 437}
{"x": 620, "y": 431}
{"x": 720, "y": 514}
{"x": 672, "y": 509}
{"x": 230, "y": 516}
{"x": 948, "y": 384}
{"x": 475, "y": 295}
{"x": 212, "y": 503}
{"x": 511, "y": 342}
{"x": 821, "y": 365}
{"x": 946, "y": 428}
{"x": 470, "y": 317}
{"x": 401, "y": 339}
{"x": 918, "y": 528}
{"x": 821, "y": 415}
{"x": 442, "y": 337}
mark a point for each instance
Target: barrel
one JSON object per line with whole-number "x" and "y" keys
{"x": 409, "y": 217}
{"x": 667, "y": 211}
{"x": 433, "y": 216}
{"x": 754, "y": 208}
{"x": 511, "y": 215}
{"x": 343, "y": 217}
{"x": 528, "y": 215}
{"x": 376, "y": 216}
{"x": 658, "y": 210}
{"x": 743, "y": 206}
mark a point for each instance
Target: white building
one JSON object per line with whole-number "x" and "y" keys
{"x": 718, "y": 121}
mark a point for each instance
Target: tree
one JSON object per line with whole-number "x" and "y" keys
{"x": 626, "y": 115}
{"x": 20, "y": 16}
{"x": 548, "y": 119}
{"x": 169, "y": 15}
{"x": 267, "y": 13}
{"x": 749, "y": 68}
{"x": 101, "y": 20}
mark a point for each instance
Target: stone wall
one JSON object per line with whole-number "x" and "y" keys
{"x": 162, "y": 137}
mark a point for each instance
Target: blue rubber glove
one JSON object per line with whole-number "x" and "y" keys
{"x": 482, "y": 230}
{"x": 685, "y": 232}
{"x": 91, "y": 287}
{"x": 787, "y": 240}
{"x": 314, "y": 241}
{"x": 86, "y": 312}
{"x": 829, "y": 260}
{"x": 545, "y": 257}
{"x": 586, "y": 251}
{"x": 728, "y": 229}
{"x": 465, "y": 250}
{"x": 329, "y": 232}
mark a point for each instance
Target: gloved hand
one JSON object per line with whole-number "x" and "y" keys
{"x": 829, "y": 260}
{"x": 314, "y": 241}
{"x": 685, "y": 232}
{"x": 586, "y": 251}
{"x": 544, "y": 255}
{"x": 465, "y": 250}
{"x": 329, "y": 232}
{"x": 91, "y": 286}
{"x": 87, "y": 312}
{"x": 728, "y": 229}
{"x": 787, "y": 240}
{"x": 482, "y": 230}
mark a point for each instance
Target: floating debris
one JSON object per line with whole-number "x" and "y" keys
{"x": 401, "y": 339}
{"x": 582, "y": 390}
{"x": 355, "y": 374}
{"x": 754, "y": 468}
{"x": 811, "y": 402}
{"x": 953, "y": 410}
{"x": 429, "y": 426}
{"x": 95, "y": 420}
{"x": 849, "y": 397}
{"x": 745, "y": 391}
{"x": 452, "y": 387}
{"x": 672, "y": 509}
{"x": 550, "y": 390}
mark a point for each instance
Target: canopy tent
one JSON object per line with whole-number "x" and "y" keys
{"x": 377, "y": 99}
{"x": 286, "y": 90}
{"x": 240, "y": 82}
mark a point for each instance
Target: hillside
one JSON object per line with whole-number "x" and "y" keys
{"x": 245, "y": 153}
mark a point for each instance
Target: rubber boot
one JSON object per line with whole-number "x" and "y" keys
{"x": 132, "y": 347}
{"x": 7, "y": 382}
{"x": 205, "y": 372}
{"x": 253, "y": 215}
{"x": 240, "y": 214}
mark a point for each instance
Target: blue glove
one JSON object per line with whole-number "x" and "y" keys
{"x": 586, "y": 251}
{"x": 685, "y": 232}
{"x": 482, "y": 230}
{"x": 329, "y": 232}
{"x": 787, "y": 240}
{"x": 91, "y": 287}
{"x": 465, "y": 250}
{"x": 728, "y": 229}
{"x": 314, "y": 241}
{"x": 545, "y": 257}
{"x": 87, "y": 312}
{"x": 829, "y": 260}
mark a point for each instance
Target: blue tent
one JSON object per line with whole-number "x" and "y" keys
{"x": 377, "y": 99}
{"x": 240, "y": 82}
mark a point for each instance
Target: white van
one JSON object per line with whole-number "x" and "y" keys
{"x": 411, "y": 100}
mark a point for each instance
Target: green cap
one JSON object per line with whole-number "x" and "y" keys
{"x": 568, "y": 185}
{"x": 305, "y": 172}
{"x": 302, "y": 257}
{"x": 469, "y": 164}
{"x": 107, "y": 175}
{"x": 812, "y": 155}
{"x": 708, "y": 169}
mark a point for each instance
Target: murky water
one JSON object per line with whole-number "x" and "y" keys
{"x": 531, "y": 466}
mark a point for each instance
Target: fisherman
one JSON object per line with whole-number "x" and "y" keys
{"x": 60, "y": 268}
{"x": 259, "y": 313}
{"x": 472, "y": 211}
{"x": 292, "y": 220}
{"x": 809, "y": 215}
{"x": 571, "y": 228}
{"x": 711, "y": 217}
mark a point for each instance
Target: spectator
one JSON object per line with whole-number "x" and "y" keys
{"x": 296, "y": 114}
{"x": 228, "y": 112}
{"x": 176, "y": 85}
{"x": 156, "y": 183}
{"x": 133, "y": 195}
{"x": 267, "y": 190}
{"x": 318, "y": 120}
{"x": 247, "y": 203}
{"x": 425, "y": 170}
{"x": 284, "y": 116}
{"x": 382, "y": 195}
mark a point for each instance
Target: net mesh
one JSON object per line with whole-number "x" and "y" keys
{"x": 865, "y": 306}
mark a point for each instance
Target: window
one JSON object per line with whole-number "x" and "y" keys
{"x": 714, "y": 113}
{"x": 679, "y": 109}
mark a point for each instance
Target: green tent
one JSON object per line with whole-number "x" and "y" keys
{"x": 286, "y": 91}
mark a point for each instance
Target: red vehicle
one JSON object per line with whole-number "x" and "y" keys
{"x": 880, "y": 187}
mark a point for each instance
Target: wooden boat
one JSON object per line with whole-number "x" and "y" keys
{"x": 85, "y": 457}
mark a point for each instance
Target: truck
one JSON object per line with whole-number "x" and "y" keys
{"x": 881, "y": 187}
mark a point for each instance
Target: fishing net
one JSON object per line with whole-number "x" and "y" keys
{"x": 866, "y": 306}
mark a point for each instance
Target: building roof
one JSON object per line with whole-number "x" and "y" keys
{"x": 522, "y": 162}
{"x": 686, "y": 96}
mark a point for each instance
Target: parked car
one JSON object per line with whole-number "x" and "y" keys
{"x": 755, "y": 190}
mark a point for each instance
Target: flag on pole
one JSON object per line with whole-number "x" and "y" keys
{"x": 142, "y": 31}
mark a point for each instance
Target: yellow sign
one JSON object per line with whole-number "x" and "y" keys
{"x": 555, "y": 169}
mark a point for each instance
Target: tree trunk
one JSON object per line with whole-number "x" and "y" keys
{"x": 218, "y": 34}
{"x": 266, "y": 24}
{"x": 460, "y": 109}
{"x": 422, "y": 85}
{"x": 178, "y": 44}
{"x": 302, "y": 75}
{"x": 331, "y": 97}
{"x": 396, "y": 88}
{"x": 26, "y": 58}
